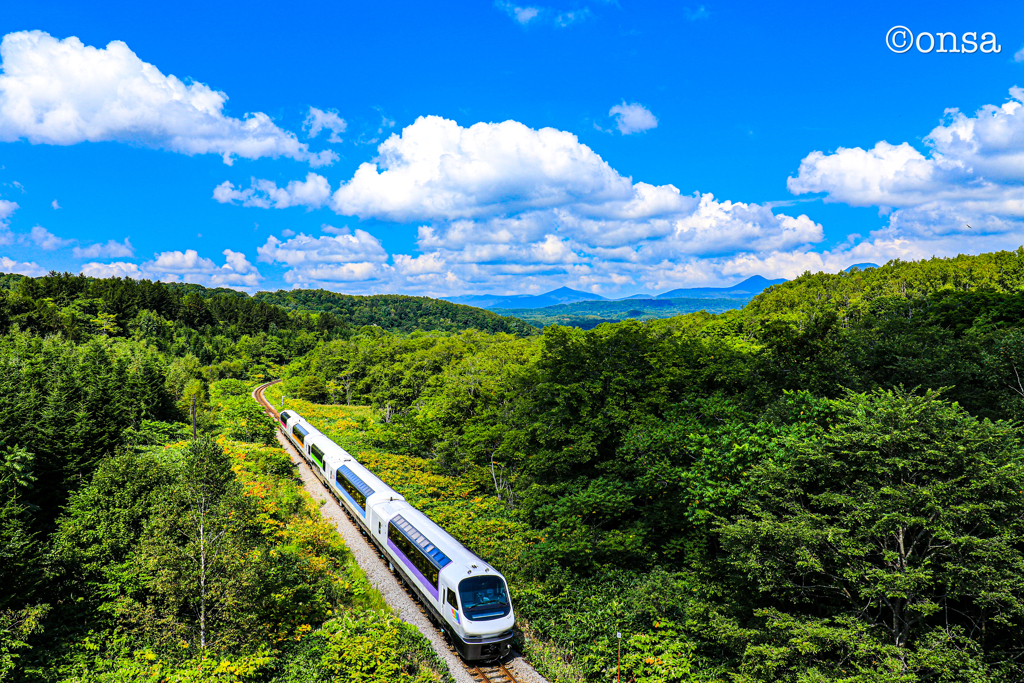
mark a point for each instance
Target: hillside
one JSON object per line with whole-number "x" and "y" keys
{"x": 861, "y": 292}
{"x": 588, "y": 314}
{"x": 394, "y": 311}
{"x": 705, "y": 465}
{"x": 561, "y": 295}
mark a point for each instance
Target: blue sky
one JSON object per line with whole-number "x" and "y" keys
{"x": 503, "y": 147}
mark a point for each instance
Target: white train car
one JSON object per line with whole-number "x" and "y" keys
{"x": 465, "y": 595}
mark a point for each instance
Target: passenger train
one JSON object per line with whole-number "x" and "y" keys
{"x": 467, "y": 596}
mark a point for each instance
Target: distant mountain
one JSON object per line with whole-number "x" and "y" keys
{"x": 747, "y": 289}
{"x": 563, "y": 295}
{"x": 862, "y": 266}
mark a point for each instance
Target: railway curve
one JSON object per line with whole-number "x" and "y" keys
{"x": 513, "y": 669}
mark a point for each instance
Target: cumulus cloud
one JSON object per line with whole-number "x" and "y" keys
{"x": 116, "y": 269}
{"x": 54, "y": 204}
{"x": 44, "y": 239}
{"x": 504, "y": 206}
{"x": 318, "y": 120}
{"x": 63, "y": 92}
{"x": 112, "y": 249}
{"x": 438, "y": 170}
{"x": 345, "y": 256}
{"x": 1019, "y": 55}
{"x": 971, "y": 172}
{"x": 313, "y": 192}
{"x": 189, "y": 266}
{"x": 7, "y": 209}
{"x": 9, "y": 265}
{"x": 632, "y": 118}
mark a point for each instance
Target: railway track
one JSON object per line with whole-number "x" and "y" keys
{"x": 492, "y": 672}
{"x": 495, "y": 673}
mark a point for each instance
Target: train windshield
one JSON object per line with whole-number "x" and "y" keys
{"x": 484, "y": 597}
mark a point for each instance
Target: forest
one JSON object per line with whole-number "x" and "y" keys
{"x": 825, "y": 485}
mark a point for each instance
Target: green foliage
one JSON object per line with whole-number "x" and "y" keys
{"x": 394, "y": 312}
{"x": 587, "y": 315}
{"x": 208, "y": 562}
{"x": 371, "y": 647}
{"x": 16, "y": 627}
{"x": 900, "y": 523}
{"x": 18, "y": 547}
{"x": 727, "y": 491}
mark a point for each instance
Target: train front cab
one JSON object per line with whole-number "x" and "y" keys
{"x": 483, "y": 598}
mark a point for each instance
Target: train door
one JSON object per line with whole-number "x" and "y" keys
{"x": 449, "y": 604}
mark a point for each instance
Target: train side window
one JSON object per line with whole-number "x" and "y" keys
{"x": 378, "y": 526}
{"x": 451, "y": 599}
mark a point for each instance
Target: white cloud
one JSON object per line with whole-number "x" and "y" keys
{"x": 544, "y": 15}
{"x": 507, "y": 207}
{"x": 1019, "y": 55}
{"x": 523, "y": 15}
{"x": 345, "y": 257}
{"x": 62, "y": 92}
{"x": 564, "y": 19}
{"x": 54, "y": 204}
{"x": 7, "y": 209}
{"x": 632, "y": 118}
{"x": 44, "y": 239}
{"x": 438, "y": 170}
{"x": 313, "y": 192}
{"x": 342, "y": 248}
{"x": 696, "y": 14}
{"x": 317, "y": 120}
{"x": 9, "y": 265}
{"x": 112, "y": 249}
{"x": 189, "y": 266}
{"x": 108, "y": 270}
{"x": 972, "y": 173}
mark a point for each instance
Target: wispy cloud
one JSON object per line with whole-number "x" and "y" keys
{"x": 44, "y": 239}
{"x": 318, "y": 120}
{"x": 572, "y": 17}
{"x": 696, "y": 14}
{"x": 632, "y": 118}
{"x": 111, "y": 249}
{"x": 525, "y": 15}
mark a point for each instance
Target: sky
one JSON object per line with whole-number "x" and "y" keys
{"x": 505, "y": 147}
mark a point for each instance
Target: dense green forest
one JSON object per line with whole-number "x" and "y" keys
{"x": 827, "y": 485}
{"x": 132, "y": 551}
{"x": 395, "y": 311}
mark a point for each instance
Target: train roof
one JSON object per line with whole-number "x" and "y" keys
{"x": 336, "y": 457}
{"x": 464, "y": 562}
{"x": 462, "y": 558}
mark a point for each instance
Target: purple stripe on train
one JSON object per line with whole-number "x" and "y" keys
{"x": 416, "y": 572}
